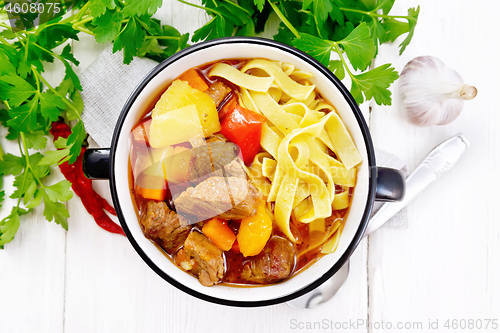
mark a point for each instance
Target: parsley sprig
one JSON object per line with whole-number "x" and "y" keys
{"x": 342, "y": 34}
{"x": 353, "y": 30}
{"x": 29, "y": 103}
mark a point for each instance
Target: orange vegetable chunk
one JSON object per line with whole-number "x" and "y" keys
{"x": 194, "y": 79}
{"x": 219, "y": 233}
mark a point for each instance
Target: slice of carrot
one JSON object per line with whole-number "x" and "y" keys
{"x": 151, "y": 187}
{"x": 219, "y": 233}
{"x": 194, "y": 79}
{"x": 152, "y": 193}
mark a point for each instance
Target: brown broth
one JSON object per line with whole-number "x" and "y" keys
{"x": 234, "y": 262}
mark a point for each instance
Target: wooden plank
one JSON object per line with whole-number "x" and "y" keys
{"x": 33, "y": 264}
{"x": 445, "y": 265}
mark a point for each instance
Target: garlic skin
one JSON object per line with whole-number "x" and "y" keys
{"x": 433, "y": 94}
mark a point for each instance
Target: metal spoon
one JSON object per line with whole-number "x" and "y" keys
{"x": 436, "y": 163}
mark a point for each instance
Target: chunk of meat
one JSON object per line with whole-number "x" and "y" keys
{"x": 273, "y": 264}
{"x": 212, "y": 157}
{"x": 226, "y": 197}
{"x": 245, "y": 199}
{"x": 223, "y": 153}
{"x": 164, "y": 226}
{"x": 218, "y": 91}
{"x": 206, "y": 259}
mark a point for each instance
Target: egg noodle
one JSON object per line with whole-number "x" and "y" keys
{"x": 296, "y": 171}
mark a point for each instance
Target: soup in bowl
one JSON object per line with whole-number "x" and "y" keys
{"x": 251, "y": 172}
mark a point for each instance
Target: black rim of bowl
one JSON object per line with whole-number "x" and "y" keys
{"x": 361, "y": 122}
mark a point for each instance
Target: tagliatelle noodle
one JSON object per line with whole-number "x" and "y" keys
{"x": 269, "y": 167}
{"x": 274, "y": 112}
{"x": 331, "y": 245}
{"x": 254, "y": 172}
{"x": 270, "y": 141}
{"x": 296, "y": 136}
{"x": 290, "y": 87}
{"x": 344, "y": 146}
{"x": 284, "y": 203}
{"x": 335, "y": 228}
{"x": 240, "y": 78}
{"x": 340, "y": 174}
{"x": 341, "y": 200}
{"x": 247, "y": 101}
{"x": 319, "y": 193}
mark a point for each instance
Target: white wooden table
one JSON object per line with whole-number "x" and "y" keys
{"x": 445, "y": 265}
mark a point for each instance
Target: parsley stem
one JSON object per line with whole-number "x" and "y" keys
{"x": 82, "y": 22}
{"x": 163, "y": 37}
{"x": 372, "y": 13}
{"x": 4, "y": 41}
{"x": 283, "y": 19}
{"x": 65, "y": 100}
{"x": 234, "y": 4}
{"x": 82, "y": 11}
{"x": 85, "y": 30}
{"x": 27, "y": 158}
{"x": 210, "y": 10}
{"x": 339, "y": 52}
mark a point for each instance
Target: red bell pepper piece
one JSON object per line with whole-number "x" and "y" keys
{"x": 244, "y": 128}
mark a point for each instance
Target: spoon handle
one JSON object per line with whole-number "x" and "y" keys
{"x": 436, "y": 163}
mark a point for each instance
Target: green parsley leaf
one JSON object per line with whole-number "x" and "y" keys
{"x": 359, "y": 47}
{"x": 315, "y": 47}
{"x": 35, "y": 140}
{"x": 98, "y": 7}
{"x": 108, "y": 25}
{"x": 141, "y": 7}
{"x": 412, "y": 21}
{"x": 9, "y": 227}
{"x": 374, "y": 84}
{"x": 8, "y": 59}
{"x": 12, "y": 165}
{"x": 55, "y": 34}
{"x": 215, "y": 28}
{"x": 66, "y": 54}
{"x": 74, "y": 112}
{"x": 130, "y": 40}
{"x": 36, "y": 200}
{"x": 59, "y": 191}
{"x": 55, "y": 157}
{"x": 25, "y": 117}
{"x": 15, "y": 89}
{"x": 51, "y": 106}
{"x": 21, "y": 183}
{"x": 55, "y": 211}
{"x": 39, "y": 171}
{"x": 71, "y": 75}
{"x": 386, "y": 6}
{"x": 395, "y": 28}
{"x": 337, "y": 67}
{"x": 378, "y": 33}
{"x": 75, "y": 141}
{"x": 336, "y": 14}
{"x": 321, "y": 8}
{"x": 260, "y": 4}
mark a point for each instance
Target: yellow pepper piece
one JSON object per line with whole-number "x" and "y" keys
{"x": 255, "y": 231}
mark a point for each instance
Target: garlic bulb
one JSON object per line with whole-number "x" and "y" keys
{"x": 433, "y": 94}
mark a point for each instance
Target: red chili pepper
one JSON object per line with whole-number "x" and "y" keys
{"x": 82, "y": 186}
{"x": 244, "y": 128}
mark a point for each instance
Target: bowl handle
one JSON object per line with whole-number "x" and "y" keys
{"x": 391, "y": 185}
{"x": 96, "y": 163}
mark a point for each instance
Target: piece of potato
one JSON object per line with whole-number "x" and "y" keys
{"x": 172, "y": 127}
{"x": 179, "y": 95}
